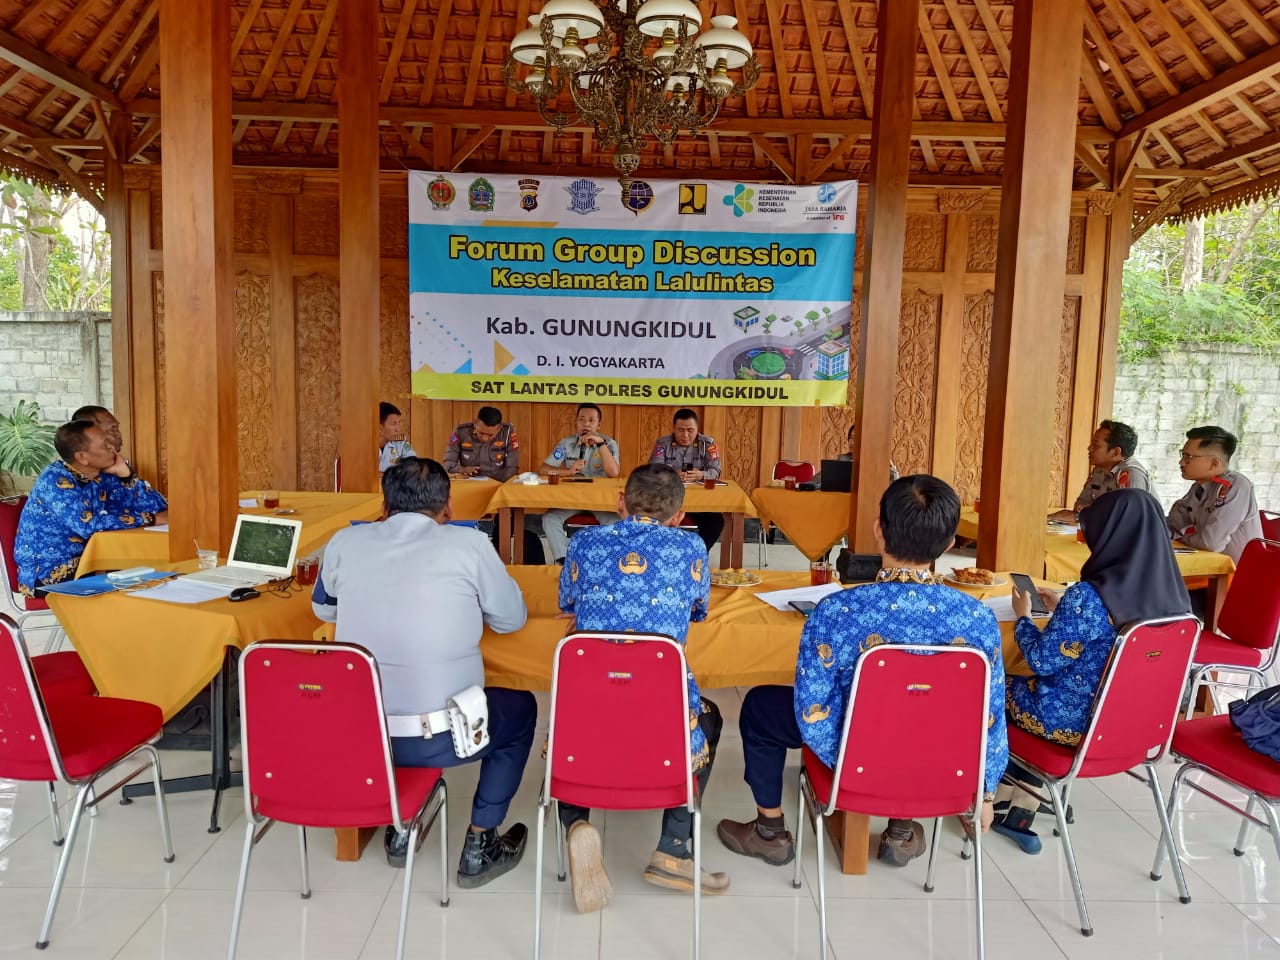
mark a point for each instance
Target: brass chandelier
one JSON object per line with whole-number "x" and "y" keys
{"x": 632, "y": 69}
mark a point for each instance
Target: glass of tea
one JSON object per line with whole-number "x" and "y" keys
{"x": 306, "y": 570}
{"x": 270, "y": 499}
{"x": 821, "y": 572}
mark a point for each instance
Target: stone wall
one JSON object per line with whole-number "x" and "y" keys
{"x": 60, "y": 360}
{"x": 1235, "y": 387}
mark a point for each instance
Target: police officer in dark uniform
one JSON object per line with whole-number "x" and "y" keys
{"x": 486, "y": 448}
{"x": 695, "y": 457}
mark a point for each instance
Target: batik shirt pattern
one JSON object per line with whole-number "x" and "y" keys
{"x": 64, "y": 509}
{"x": 638, "y": 576}
{"x": 847, "y": 624}
{"x": 1068, "y": 658}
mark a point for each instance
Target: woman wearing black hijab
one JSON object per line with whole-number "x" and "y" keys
{"x": 1131, "y": 575}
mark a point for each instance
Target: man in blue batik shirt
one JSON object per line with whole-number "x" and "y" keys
{"x": 918, "y": 517}
{"x": 643, "y": 576}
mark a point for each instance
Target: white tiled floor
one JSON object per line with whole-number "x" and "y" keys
{"x": 122, "y": 900}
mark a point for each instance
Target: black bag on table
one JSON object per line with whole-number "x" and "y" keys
{"x": 857, "y": 567}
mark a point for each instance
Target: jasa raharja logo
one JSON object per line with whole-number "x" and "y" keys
{"x": 740, "y": 200}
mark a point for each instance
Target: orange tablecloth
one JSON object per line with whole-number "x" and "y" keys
{"x": 813, "y": 520}
{"x": 968, "y": 527}
{"x": 470, "y": 498}
{"x": 322, "y": 515}
{"x": 1064, "y": 556}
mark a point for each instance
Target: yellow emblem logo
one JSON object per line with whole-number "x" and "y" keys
{"x": 695, "y": 571}
{"x": 1071, "y": 650}
{"x": 816, "y": 713}
{"x": 826, "y": 656}
{"x": 633, "y": 563}
{"x": 573, "y": 572}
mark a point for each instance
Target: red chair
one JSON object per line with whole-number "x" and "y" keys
{"x": 1270, "y": 524}
{"x": 316, "y": 754}
{"x": 1130, "y": 723}
{"x": 1213, "y": 746}
{"x": 802, "y": 471}
{"x": 916, "y": 691}
{"x": 618, "y": 740}
{"x": 75, "y": 739}
{"x": 1248, "y": 627}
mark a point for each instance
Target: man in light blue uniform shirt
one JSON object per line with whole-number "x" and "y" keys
{"x": 588, "y": 453}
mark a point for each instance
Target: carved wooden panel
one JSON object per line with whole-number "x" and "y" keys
{"x": 315, "y": 225}
{"x": 835, "y": 430}
{"x": 742, "y": 445}
{"x": 317, "y": 349}
{"x": 157, "y": 221}
{"x": 393, "y": 299}
{"x": 393, "y": 227}
{"x": 254, "y": 415}
{"x": 860, "y": 248}
{"x": 1057, "y": 494}
{"x": 162, "y": 419}
{"x": 923, "y": 244}
{"x": 1075, "y": 245}
{"x": 975, "y": 349}
{"x": 252, "y": 220}
{"x": 654, "y": 422}
{"x": 983, "y": 232}
{"x": 913, "y": 402}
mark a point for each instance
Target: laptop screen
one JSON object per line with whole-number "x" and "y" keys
{"x": 264, "y": 542}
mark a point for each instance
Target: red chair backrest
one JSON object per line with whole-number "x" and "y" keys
{"x": 10, "y": 513}
{"x": 915, "y": 736}
{"x": 1137, "y": 702}
{"x": 315, "y": 739}
{"x": 619, "y": 736}
{"x": 27, "y": 751}
{"x": 1270, "y": 524}
{"x": 1251, "y": 612}
{"x": 802, "y": 470}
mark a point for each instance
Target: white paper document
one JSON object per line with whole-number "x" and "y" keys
{"x": 184, "y": 591}
{"x": 158, "y": 528}
{"x": 1002, "y": 607}
{"x": 248, "y": 501}
{"x": 779, "y": 599}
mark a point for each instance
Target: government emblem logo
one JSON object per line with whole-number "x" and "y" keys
{"x": 441, "y": 193}
{"x": 582, "y": 196}
{"x": 528, "y": 194}
{"x": 639, "y": 197}
{"x": 692, "y": 199}
{"x": 480, "y": 195}
{"x": 826, "y": 193}
{"x": 740, "y": 200}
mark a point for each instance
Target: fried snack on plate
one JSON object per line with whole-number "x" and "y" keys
{"x": 734, "y": 578}
{"x": 977, "y": 576}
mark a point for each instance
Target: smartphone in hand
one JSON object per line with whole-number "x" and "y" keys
{"x": 803, "y": 606}
{"x": 1025, "y": 585}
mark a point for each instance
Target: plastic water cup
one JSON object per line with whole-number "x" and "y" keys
{"x": 208, "y": 559}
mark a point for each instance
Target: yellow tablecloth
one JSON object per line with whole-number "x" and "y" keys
{"x": 470, "y": 498}
{"x": 968, "y": 527}
{"x": 602, "y": 494}
{"x": 813, "y": 520}
{"x": 1064, "y": 556}
{"x": 322, "y": 515}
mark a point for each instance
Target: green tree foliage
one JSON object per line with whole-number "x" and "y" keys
{"x": 55, "y": 252}
{"x": 26, "y": 444}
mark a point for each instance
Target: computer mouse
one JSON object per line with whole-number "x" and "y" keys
{"x": 243, "y": 593}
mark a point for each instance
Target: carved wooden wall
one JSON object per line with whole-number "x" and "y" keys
{"x": 286, "y": 247}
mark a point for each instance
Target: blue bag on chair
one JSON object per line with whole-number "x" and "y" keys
{"x": 1258, "y": 720}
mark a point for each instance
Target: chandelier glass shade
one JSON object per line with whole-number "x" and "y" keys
{"x": 633, "y": 70}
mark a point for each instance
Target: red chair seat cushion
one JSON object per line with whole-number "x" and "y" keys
{"x": 1052, "y": 758}
{"x": 62, "y": 673}
{"x": 820, "y": 776}
{"x": 1214, "y": 743}
{"x": 30, "y": 604}
{"x": 92, "y": 732}
{"x": 413, "y": 786}
{"x": 1214, "y": 648}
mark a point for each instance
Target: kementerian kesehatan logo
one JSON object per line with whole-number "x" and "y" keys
{"x": 639, "y": 197}
{"x": 528, "y": 194}
{"x": 582, "y": 196}
{"x": 441, "y": 193}
{"x": 692, "y": 199}
{"x": 739, "y": 200}
{"x": 480, "y": 195}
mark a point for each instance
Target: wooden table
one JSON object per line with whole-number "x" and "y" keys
{"x": 511, "y": 500}
{"x": 742, "y": 643}
{"x": 813, "y": 520}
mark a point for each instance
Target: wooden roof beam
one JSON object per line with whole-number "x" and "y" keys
{"x": 820, "y": 78}
{"x": 975, "y": 60}
{"x": 849, "y": 20}
{"x": 775, "y": 156}
{"x": 314, "y": 54}
{"x": 71, "y": 176}
{"x": 437, "y": 49}
{"x": 267, "y": 73}
{"x": 397, "y": 49}
{"x": 834, "y": 155}
{"x": 1172, "y": 173}
{"x": 778, "y": 48}
{"x": 477, "y": 53}
{"x": 472, "y": 143}
{"x": 52, "y": 70}
{"x": 1232, "y": 154}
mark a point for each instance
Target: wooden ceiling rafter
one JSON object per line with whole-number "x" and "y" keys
{"x": 243, "y": 27}
{"x": 282, "y": 37}
{"x": 815, "y": 36}
{"x": 477, "y": 53}
{"x": 777, "y": 47}
{"x": 404, "y": 23}
{"x": 73, "y": 177}
{"x": 282, "y": 135}
{"x": 739, "y": 11}
{"x": 432, "y": 71}
{"x": 849, "y": 21}
{"x": 975, "y": 60}
{"x": 49, "y": 69}
{"x": 146, "y": 21}
{"x": 114, "y": 25}
{"x": 943, "y": 76}
{"x": 316, "y": 50}
{"x": 148, "y": 59}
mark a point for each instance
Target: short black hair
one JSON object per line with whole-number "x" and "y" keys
{"x": 70, "y": 438}
{"x": 849, "y": 435}
{"x": 684, "y": 413}
{"x": 387, "y": 410}
{"x": 654, "y": 490}
{"x": 415, "y": 485}
{"x": 1215, "y": 438}
{"x": 589, "y": 406}
{"x": 918, "y": 518}
{"x": 1120, "y": 435}
{"x": 489, "y": 416}
{"x": 89, "y": 411}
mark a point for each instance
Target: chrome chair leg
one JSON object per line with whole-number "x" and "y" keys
{"x": 1171, "y": 812}
{"x": 162, "y": 805}
{"x": 414, "y": 830}
{"x": 1166, "y": 834}
{"x": 241, "y": 885}
{"x": 58, "y": 838}
{"x": 697, "y": 883}
{"x": 537, "y": 877}
{"x": 1273, "y": 824}
{"x": 822, "y": 891}
{"x": 1242, "y": 838}
{"x": 979, "y": 907}
{"x": 562, "y": 840}
{"x": 800, "y": 821}
{"x": 1060, "y": 813}
{"x": 933, "y": 856}
{"x": 64, "y": 861}
{"x": 303, "y": 864}
{"x": 443, "y": 827}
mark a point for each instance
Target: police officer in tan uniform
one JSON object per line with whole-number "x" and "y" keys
{"x": 486, "y": 448}
{"x": 1113, "y": 464}
{"x": 1219, "y": 512}
{"x": 696, "y": 457}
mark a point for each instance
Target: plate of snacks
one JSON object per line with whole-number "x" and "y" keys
{"x": 973, "y": 577}
{"x": 734, "y": 578}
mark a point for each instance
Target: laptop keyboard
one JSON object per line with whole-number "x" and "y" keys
{"x": 229, "y": 576}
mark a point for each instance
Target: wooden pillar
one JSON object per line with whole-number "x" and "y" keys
{"x": 1030, "y": 282}
{"x": 876, "y": 386}
{"x": 1119, "y": 239}
{"x": 199, "y": 324}
{"x": 117, "y": 218}
{"x": 359, "y": 266}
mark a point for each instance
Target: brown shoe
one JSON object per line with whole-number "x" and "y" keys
{"x": 676, "y": 873}
{"x": 899, "y": 853}
{"x": 591, "y": 886}
{"x": 745, "y": 839}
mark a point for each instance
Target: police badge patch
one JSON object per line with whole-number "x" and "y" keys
{"x": 582, "y": 196}
{"x": 441, "y": 193}
{"x": 528, "y": 194}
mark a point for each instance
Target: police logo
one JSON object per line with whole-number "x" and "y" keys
{"x": 528, "y": 194}
{"x": 639, "y": 197}
{"x": 441, "y": 193}
{"x": 582, "y": 196}
{"x": 693, "y": 199}
{"x": 480, "y": 195}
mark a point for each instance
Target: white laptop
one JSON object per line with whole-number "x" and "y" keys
{"x": 262, "y": 550}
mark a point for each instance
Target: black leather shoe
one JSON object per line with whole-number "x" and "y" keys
{"x": 487, "y": 856}
{"x": 397, "y": 846}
